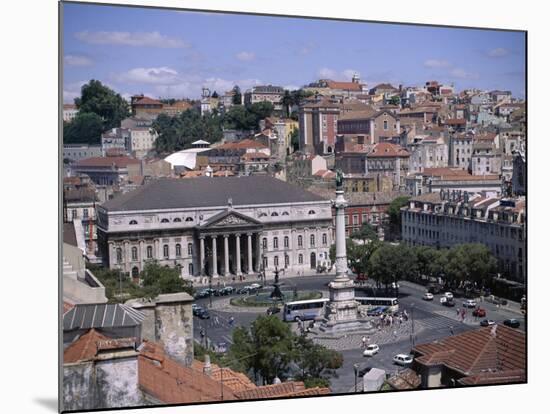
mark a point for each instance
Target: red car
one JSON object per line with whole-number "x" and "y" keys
{"x": 479, "y": 312}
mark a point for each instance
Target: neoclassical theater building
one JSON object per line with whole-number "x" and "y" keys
{"x": 216, "y": 226}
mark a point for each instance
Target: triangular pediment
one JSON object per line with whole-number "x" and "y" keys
{"x": 229, "y": 218}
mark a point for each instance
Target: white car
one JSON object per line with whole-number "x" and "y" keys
{"x": 469, "y": 303}
{"x": 428, "y": 296}
{"x": 371, "y": 350}
{"x": 403, "y": 359}
{"x": 395, "y": 285}
{"x": 448, "y": 295}
{"x": 255, "y": 286}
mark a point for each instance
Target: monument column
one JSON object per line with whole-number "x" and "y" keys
{"x": 249, "y": 269}
{"x": 201, "y": 264}
{"x": 214, "y": 258}
{"x": 226, "y": 254}
{"x": 238, "y": 241}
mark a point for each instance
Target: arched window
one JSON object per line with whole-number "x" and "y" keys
{"x": 165, "y": 251}
{"x": 177, "y": 220}
{"x": 178, "y": 250}
{"x": 119, "y": 255}
{"x": 310, "y": 212}
{"x": 191, "y": 272}
{"x": 275, "y": 242}
{"x": 285, "y": 213}
{"x": 190, "y": 249}
{"x": 300, "y": 259}
{"x": 132, "y": 222}
{"x": 135, "y": 272}
{"x": 274, "y": 214}
{"x": 149, "y": 252}
{"x": 312, "y": 240}
{"x": 324, "y": 239}
{"x": 300, "y": 241}
{"x": 189, "y": 219}
{"x": 262, "y": 215}
{"x": 164, "y": 220}
{"x": 134, "y": 253}
{"x": 287, "y": 260}
{"x": 264, "y": 243}
{"x": 286, "y": 242}
{"x": 276, "y": 261}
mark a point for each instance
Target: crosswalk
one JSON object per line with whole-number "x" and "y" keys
{"x": 434, "y": 321}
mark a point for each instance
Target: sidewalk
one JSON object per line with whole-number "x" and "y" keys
{"x": 248, "y": 279}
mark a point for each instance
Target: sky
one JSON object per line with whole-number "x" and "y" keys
{"x": 173, "y": 54}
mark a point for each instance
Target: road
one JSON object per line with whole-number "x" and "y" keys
{"x": 431, "y": 321}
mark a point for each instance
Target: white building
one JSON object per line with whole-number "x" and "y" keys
{"x": 221, "y": 227}
{"x": 70, "y": 111}
{"x": 142, "y": 140}
{"x": 428, "y": 152}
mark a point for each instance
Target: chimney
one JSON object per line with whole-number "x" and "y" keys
{"x": 207, "y": 366}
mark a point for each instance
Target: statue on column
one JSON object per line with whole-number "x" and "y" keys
{"x": 339, "y": 179}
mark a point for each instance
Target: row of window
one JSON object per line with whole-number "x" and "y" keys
{"x": 165, "y": 220}
{"x": 300, "y": 241}
{"x": 149, "y": 252}
{"x": 74, "y": 213}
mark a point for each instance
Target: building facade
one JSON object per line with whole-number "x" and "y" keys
{"x": 216, "y": 227}
{"x": 446, "y": 219}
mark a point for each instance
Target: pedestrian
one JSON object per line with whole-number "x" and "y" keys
{"x": 395, "y": 334}
{"x": 451, "y": 329}
{"x": 364, "y": 342}
{"x": 231, "y": 320}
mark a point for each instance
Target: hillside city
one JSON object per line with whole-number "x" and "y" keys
{"x": 199, "y": 241}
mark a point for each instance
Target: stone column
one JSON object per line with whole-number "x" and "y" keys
{"x": 156, "y": 254}
{"x": 249, "y": 269}
{"x": 341, "y": 260}
{"x": 201, "y": 264}
{"x": 226, "y": 255}
{"x": 141, "y": 253}
{"x": 214, "y": 258}
{"x": 126, "y": 256}
{"x": 112, "y": 255}
{"x": 238, "y": 241}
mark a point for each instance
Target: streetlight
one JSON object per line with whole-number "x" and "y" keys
{"x": 355, "y": 368}
{"x": 412, "y": 326}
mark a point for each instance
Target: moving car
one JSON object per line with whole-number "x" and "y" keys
{"x": 445, "y": 301}
{"x": 203, "y": 314}
{"x": 403, "y": 360}
{"x": 448, "y": 295}
{"x": 512, "y": 323}
{"x": 479, "y": 312}
{"x": 428, "y": 296}
{"x": 469, "y": 303}
{"x": 371, "y": 350}
{"x": 487, "y": 322}
{"x": 255, "y": 286}
{"x": 196, "y": 309}
{"x": 273, "y": 309}
{"x": 376, "y": 311}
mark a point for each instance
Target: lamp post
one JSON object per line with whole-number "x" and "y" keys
{"x": 412, "y": 326}
{"x": 355, "y": 367}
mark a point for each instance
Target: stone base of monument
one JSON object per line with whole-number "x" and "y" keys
{"x": 343, "y": 326}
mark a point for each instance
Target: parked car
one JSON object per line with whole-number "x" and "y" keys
{"x": 403, "y": 359}
{"x": 203, "y": 314}
{"x": 434, "y": 288}
{"x": 197, "y": 309}
{"x": 371, "y": 350}
{"x": 479, "y": 312}
{"x": 428, "y": 296}
{"x": 469, "y": 303}
{"x": 375, "y": 311}
{"x": 448, "y": 295}
{"x": 487, "y": 322}
{"x": 512, "y": 323}
{"x": 445, "y": 301}
{"x": 395, "y": 285}
{"x": 273, "y": 310}
{"x": 221, "y": 347}
{"x": 255, "y": 286}
{"x": 361, "y": 372}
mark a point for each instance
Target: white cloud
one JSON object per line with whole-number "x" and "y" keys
{"x": 463, "y": 74}
{"x": 149, "y": 39}
{"x": 77, "y": 60}
{"x": 72, "y": 91}
{"x": 326, "y": 73}
{"x": 246, "y": 56}
{"x": 436, "y": 63}
{"x": 291, "y": 87}
{"x": 157, "y": 76}
{"x": 348, "y": 73}
{"x": 498, "y": 52}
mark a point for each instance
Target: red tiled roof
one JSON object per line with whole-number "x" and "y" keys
{"x": 284, "y": 389}
{"x": 67, "y": 306}
{"x": 351, "y": 86}
{"x": 84, "y": 348}
{"x": 385, "y": 149}
{"x": 119, "y": 162}
{"x": 501, "y": 377}
{"x": 244, "y": 144}
{"x": 147, "y": 101}
{"x": 454, "y": 121}
{"x": 497, "y": 348}
{"x": 254, "y": 155}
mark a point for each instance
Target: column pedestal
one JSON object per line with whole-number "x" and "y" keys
{"x": 238, "y": 251}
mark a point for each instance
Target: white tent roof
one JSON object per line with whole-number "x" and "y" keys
{"x": 186, "y": 158}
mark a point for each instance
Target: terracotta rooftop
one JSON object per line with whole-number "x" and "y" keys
{"x": 284, "y": 389}
{"x": 364, "y": 114}
{"x": 254, "y": 155}
{"x": 405, "y": 380}
{"x": 491, "y": 349}
{"x": 455, "y": 121}
{"x": 385, "y": 149}
{"x": 499, "y": 377}
{"x": 147, "y": 101}
{"x": 348, "y": 86}
{"x": 119, "y": 162}
{"x": 243, "y": 144}
{"x": 84, "y": 348}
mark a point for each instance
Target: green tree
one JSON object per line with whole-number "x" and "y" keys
{"x": 394, "y": 214}
{"x": 295, "y": 139}
{"x": 391, "y": 263}
{"x": 430, "y": 261}
{"x": 287, "y": 101}
{"x": 85, "y": 128}
{"x": 394, "y": 100}
{"x": 157, "y": 279}
{"x": 315, "y": 362}
{"x": 237, "y": 97}
{"x": 238, "y": 117}
{"x": 103, "y": 101}
{"x": 472, "y": 263}
{"x": 259, "y": 111}
{"x": 366, "y": 232}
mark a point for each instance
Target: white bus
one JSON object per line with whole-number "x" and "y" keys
{"x": 304, "y": 309}
{"x": 369, "y": 303}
